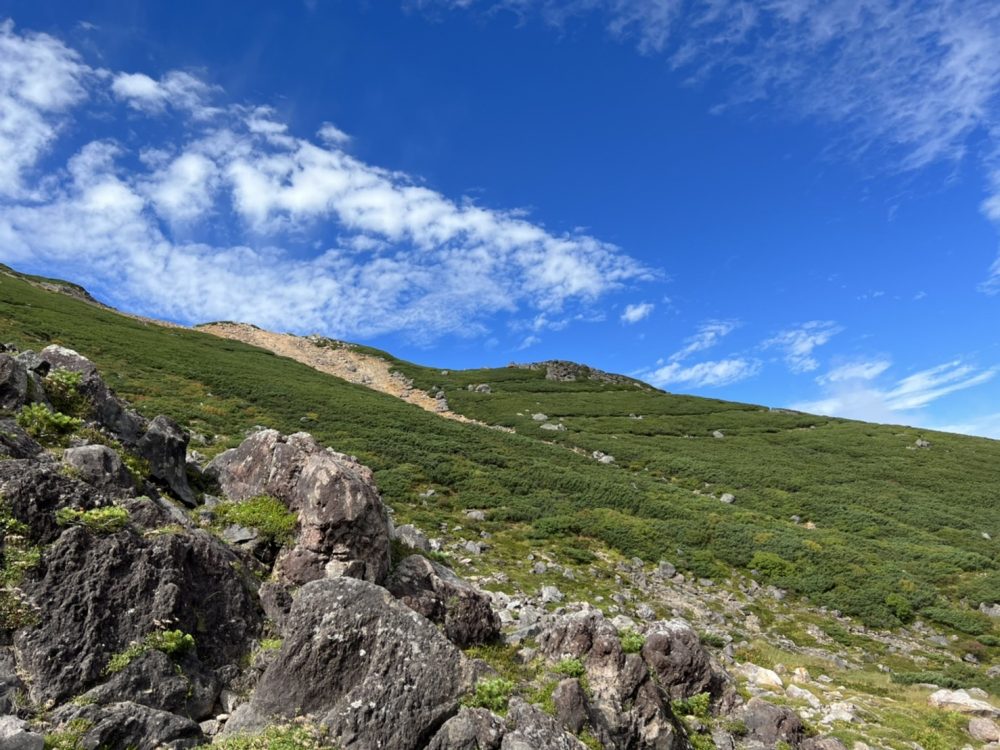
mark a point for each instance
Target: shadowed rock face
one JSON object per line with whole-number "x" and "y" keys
{"x": 375, "y": 672}
{"x": 95, "y": 594}
{"x": 442, "y": 597}
{"x": 675, "y": 655}
{"x": 343, "y": 526}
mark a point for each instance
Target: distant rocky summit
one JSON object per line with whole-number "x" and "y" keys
{"x": 152, "y": 602}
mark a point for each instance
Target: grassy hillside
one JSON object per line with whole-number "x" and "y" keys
{"x": 899, "y": 531}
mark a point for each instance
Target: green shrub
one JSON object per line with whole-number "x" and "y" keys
{"x": 632, "y": 642}
{"x": 699, "y": 705}
{"x": 966, "y": 621}
{"x": 174, "y": 643}
{"x": 268, "y": 515}
{"x": 491, "y": 694}
{"x": 46, "y": 426}
{"x": 570, "y": 668}
{"x": 97, "y": 520}
{"x": 62, "y": 387}
{"x": 712, "y": 639}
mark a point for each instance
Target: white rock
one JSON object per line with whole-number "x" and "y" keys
{"x": 841, "y": 711}
{"x": 984, "y": 730}
{"x": 718, "y": 434}
{"x": 539, "y": 417}
{"x": 799, "y": 694}
{"x": 551, "y": 594}
{"x": 962, "y": 702}
{"x": 801, "y": 674}
{"x": 761, "y": 677}
{"x": 728, "y": 498}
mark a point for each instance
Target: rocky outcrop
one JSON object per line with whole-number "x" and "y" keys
{"x": 34, "y": 491}
{"x": 343, "y": 526}
{"x": 366, "y": 666}
{"x": 429, "y": 588}
{"x": 15, "y": 442}
{"x": 115, "y": 589}
{"x": 100, "y": 467}
{"x": 164, "y": 445}
{"x": 770, "y": 724}
{"x": 130, "y": 725}
{"x": 674, "y": 654}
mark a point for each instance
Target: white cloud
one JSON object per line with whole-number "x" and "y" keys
{"x": 709, "y": 334}
{"x": 332, "y": 135}
{"x": 528, "y": 342}
{"x": 635, "y": 313}
{"x": 798, "y": 343}
{"x": 855, "y": 371}
{"x": 176, "y": 89}
{"x": 717, "y": 373}
{"x": 40, "y": 79}
{"x": 987, "y": 425}
{"x": 858, "y": 397}
{"x": 229, "y": 218}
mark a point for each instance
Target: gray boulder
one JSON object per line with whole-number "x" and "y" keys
{"x": 770, "y": 724}
{"x": 570, "y": 701}
{"x": 366, "y": 666}
{"x": 533, "y": 729}
{"x": 115, "y": 589}
{"x": 343, "y": 526}
{"x": 164, "y": 445}
{"x": 106, "y": 408}
{"x": 34, "y": 490}
{"x": 412, "y": 537}
{"x": 15, "y": 442}
{"x": 15, "y": 735}
{"x": 13, "y": 383}
{"x": 131, "y": 725}
{"x": 470, "y": 729}
{"x": 465, "y": 612}
{"x": 100, "y": 467}
{"x": 683, "y": 667}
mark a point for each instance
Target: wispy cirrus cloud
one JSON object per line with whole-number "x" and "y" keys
{"x": 797, "y": 344}
{"x": 852, "y": 390}
{"x": 715, "y": 373}
{"x": 230, "y": 215}
{"x": 914, "y": 82}
{"x": 709, "y": 334}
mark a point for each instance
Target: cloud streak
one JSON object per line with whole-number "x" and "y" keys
{"x": 233, "y": 216}
{"x": 798, "y": 344}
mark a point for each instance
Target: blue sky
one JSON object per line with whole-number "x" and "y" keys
{"x": 791, "y": 202}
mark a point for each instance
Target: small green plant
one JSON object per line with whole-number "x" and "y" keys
{"x": 174, "y": 643}
{"x": 70, "y": 737}
{"x": 63, "y": 390}
{"x": 713, "y": 640}
{"x": 270, "y": 644}
{"x": 571, "y": 668}
{"x": 295, "y": 737}
{"x": 266, "y": 514}
{"x": 632, "y": 642}
{"x": 46, "y": 426}
{"x": 97, "y": 520}
{"x": 491, "y": 694}
{"x": 699, "y": 705}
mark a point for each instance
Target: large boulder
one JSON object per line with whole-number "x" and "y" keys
{"x": 97, "y": 593}
{"x": 100, "y": 467}
{"x": 343, "y": 526}
{"x": 465, "y": 612}
{"x": 164, "y": 445}
{"x": 15, "y": 734}
{"x": 361, "y": 663}
{"x": 681, "y": 664}
{"x": 626, "y": 707}
{"x": 15, "y": 442}
{"x": 770, "y": 724}
{"x": 470, "y": 729}
{"x": 13, "y": 383}
{"x": 33, "y": 491}
{"x": 961, "y": 702}
{"x": 106, "y": 408}
{"x": 131, "y": 725}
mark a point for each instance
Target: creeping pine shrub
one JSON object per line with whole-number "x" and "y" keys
{"x": 491, "y": 694}
{"x": 63, "y": 390}
{"x": 47, "y": 427}
{"x": 98, "y": 520}
{"x": 174, "y": 643}
{"x": 697, "y": 705}
{"x": 632, "y": 642}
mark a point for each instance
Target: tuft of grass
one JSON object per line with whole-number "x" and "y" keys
{"x": 699, "y": 706}
{"x": 289, "y": 737}
{"x": 96, "y": 520}
{"x": 266, "y": 514}
{"x": 570, "y": 668}
{"x": 174, "y": 643}
{"x": 70, "y": 737}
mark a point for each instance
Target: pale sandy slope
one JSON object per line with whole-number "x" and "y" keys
{"x": 342, "y": 361}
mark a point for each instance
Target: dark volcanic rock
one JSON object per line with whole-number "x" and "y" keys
{"x": 164, "y": 445}
{"x": 533, "y": 729}
{"x": 100, "y": 467}
{"x": 770, "y": 724}
{"x": 130, "y": 725}
{"x": 106, "y": 408}
{"x": 682, "y": 666}
{"x": 375, "y": 672}
{"x": 344, "y": 528}
{"x": 570, "y": 701}
{"x": 97, "y": 593}
{"x": 35, "y": 490}
{"x": 442, "y": 597}
{"x": 15, "y": 442}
